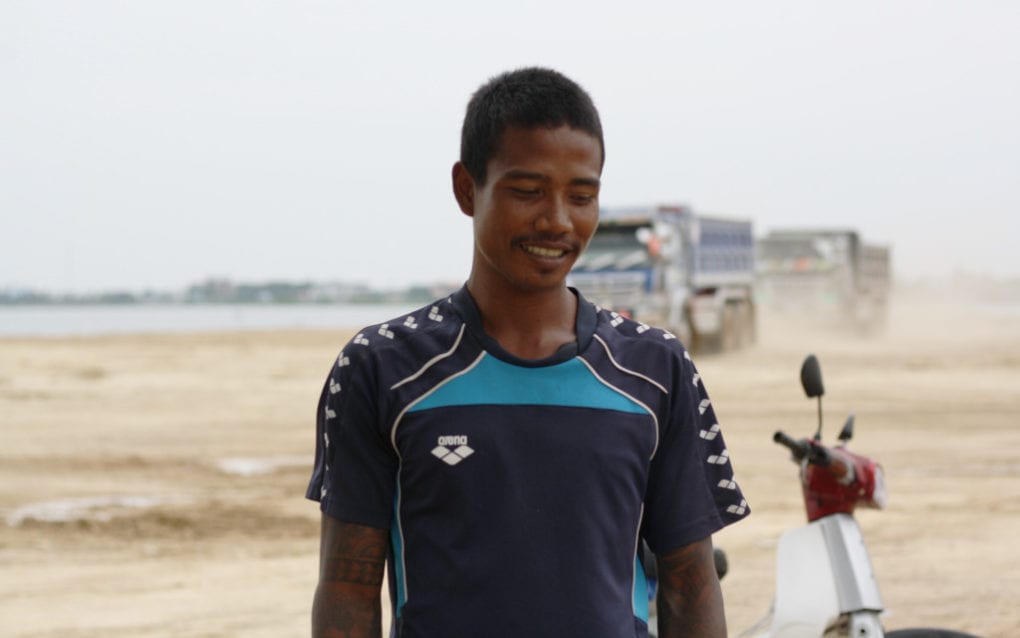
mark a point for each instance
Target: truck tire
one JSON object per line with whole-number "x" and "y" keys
{"x": 729, "y": 336}
{"x": 749, "y": 331}
{"x": 752, "y": 324}
{"x": 739, "y": 325}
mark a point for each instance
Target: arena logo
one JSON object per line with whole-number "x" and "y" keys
{"x": 452, "y": 449}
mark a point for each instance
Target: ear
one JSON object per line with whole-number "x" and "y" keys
{"x": 464, "y": 189}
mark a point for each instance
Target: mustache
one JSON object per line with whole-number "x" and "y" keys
{"x": 559, "y": 240}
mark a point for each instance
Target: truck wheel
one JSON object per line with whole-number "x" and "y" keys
{"x": 739, "y": 325}
{"x": 748, "y": 328}
{"x": 729, "y": 339}
{"x": 752, "y": 324}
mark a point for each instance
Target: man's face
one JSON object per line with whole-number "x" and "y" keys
{"x": 537, "y": 209}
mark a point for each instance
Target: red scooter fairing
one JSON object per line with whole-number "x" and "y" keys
{"x": 839, "y": 485}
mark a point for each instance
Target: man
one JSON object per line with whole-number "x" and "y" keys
{"x": 505, "y": 450}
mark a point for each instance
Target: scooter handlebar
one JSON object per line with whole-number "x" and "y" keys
{"x": 815, "y": 452}
{"x": 798, "y": 448}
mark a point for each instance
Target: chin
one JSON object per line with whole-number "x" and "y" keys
{"x": 541, "y": 284}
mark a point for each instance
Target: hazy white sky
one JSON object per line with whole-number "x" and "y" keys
{"x": 152, "y": 144}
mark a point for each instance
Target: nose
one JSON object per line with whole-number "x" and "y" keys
{"x": 555, "y": 216}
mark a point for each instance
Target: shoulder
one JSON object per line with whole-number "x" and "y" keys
{"x": 393, "y": 345}
{"x": 639, "y": 356}
{"x": 624, "y": 337}
{"x": 432, "y": 320}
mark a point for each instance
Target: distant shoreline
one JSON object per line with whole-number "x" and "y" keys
{"x": 65, "y": 320}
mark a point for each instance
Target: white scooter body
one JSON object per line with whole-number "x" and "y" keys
{"x": 824, "y": 580}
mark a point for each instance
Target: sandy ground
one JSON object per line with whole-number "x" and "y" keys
{"x": 152, "y": 485}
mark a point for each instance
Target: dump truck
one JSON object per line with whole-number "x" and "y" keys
{"x": 669, "y": 267}
{"x": 831, "y": 276}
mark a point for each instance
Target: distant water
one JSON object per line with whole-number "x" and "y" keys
{"x": 71, "y": 320}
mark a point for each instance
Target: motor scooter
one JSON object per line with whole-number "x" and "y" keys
{"x": 825, "y": 585}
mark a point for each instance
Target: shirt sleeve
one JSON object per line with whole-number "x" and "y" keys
{"x": 692, "y": 492}
{"x": 354, "y": 477}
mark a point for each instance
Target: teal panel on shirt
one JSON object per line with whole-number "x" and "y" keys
{"x": 495, "y": 382}
{"x": 640, "y": 590}
{"x": 397, "y": 542}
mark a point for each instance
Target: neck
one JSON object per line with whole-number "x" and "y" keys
{"x": 528, "y": 324}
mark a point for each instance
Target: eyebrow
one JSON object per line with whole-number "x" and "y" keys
{"x": 577, "y": 181}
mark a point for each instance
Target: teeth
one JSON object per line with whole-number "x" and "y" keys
{"x": 544, "y": 252}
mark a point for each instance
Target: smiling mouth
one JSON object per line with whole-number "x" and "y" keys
{"x": 538, "y": 251}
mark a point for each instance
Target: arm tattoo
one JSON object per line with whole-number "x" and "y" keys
{"x": 353, "y": 554}
{"x": 354, "y": 571}
{"x": 680, "y": 571}
{"x": 347, "y": 600}
{"x": 690, "y": 600}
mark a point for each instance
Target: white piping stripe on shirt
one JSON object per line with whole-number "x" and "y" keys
{"x": 626, "y": 370}
{"x": 393, "y": 442}
{"x": 637, "y": 547}
{"x": 651, "y": 413}
{"x": 432, "y": 361}
{"x": 400, "y": 532}
{"x": 396, "y": 421}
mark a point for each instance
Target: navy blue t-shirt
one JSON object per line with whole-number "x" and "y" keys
{"x": 516, "y": 491}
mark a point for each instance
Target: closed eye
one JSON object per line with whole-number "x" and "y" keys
{"x": 525, "y": 191}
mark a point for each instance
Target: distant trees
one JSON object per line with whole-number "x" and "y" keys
{"x": 220, "y": 290}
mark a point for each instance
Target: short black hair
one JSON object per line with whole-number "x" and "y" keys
{"x": 531, "y": 97}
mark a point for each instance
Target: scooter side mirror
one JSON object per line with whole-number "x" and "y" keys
{"x": 811, "y": 377}
{"x": 847, "y": 432}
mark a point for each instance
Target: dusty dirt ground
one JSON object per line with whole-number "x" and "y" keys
{"x": 152, "y": 485}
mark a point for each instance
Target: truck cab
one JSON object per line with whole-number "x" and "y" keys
{"x": 669, "y": 267}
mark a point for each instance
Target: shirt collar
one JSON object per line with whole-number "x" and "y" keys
{"x": 584, "y": 326}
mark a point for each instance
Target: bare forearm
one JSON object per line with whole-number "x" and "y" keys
{"x": 688, "y": 619}
{"x": 690, "y": 600}
{"x": 339, "y": 612}
{"x": 351, "y": 564}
